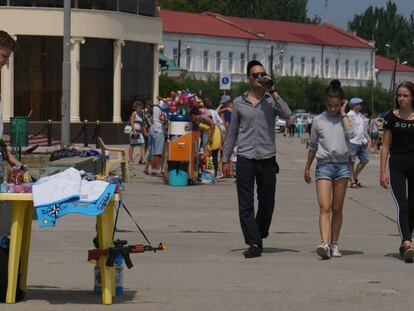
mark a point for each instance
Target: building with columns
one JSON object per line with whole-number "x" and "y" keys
{"x": 208, "y": 43}
{"x": 114, "y": 60}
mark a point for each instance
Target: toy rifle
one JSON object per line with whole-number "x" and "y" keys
{"x": 121, "y": 248}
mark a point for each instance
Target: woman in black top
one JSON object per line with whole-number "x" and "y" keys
{"x": 398, "y": 142}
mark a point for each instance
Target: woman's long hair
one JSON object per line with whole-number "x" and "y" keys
{"x": 408, "y": 85}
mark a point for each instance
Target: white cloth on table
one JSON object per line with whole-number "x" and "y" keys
{"x": 92, "y": 190}
{"x": 57, "y": 188}
{"x": 65, "y": 186}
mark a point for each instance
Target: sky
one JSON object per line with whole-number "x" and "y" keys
{"x": 340, "y": 12}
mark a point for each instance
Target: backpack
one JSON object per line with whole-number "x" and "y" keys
{"x": 4, "y": 262}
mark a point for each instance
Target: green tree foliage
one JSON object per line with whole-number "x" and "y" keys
{"x": 386, "y": 26}
{"x": 298, "y": 92}
{"x": 286, "y": 10}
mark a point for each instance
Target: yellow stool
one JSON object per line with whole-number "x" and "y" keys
{"x": 22, "y": 212}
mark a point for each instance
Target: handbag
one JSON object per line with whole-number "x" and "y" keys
{"x": 128, "y": 129}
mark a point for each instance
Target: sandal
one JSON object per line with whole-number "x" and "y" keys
{"x": 358, "y": 183}
{"x": 354, "y": 185}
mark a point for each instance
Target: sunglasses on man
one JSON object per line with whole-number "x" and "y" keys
{"x": 257, "y": 75}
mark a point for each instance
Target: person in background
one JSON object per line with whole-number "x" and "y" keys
{"x": 329, "y": 142}
{"x": 292, "y": 125}
{"x": 224, "y": 110}
{"x": 360, "y": 143}
{"x": 309, "y": 122}
{"x": 220, "y": 129}
{"x": 205, "y": 124}
{"x": 147, "y": 119}
{"x": 157, "y": 136}
{"x": 253, "y": 127}
{"x": 7, "y": 47}
{"x": 138, "y": 134}
{"x": 299, "y": 125}
{"x": 398, "y": 151}
{"x": 286, "y": 131}
{"x": 373, "y": 132}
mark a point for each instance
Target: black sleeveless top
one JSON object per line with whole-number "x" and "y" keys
{"x": 402, "y": 131}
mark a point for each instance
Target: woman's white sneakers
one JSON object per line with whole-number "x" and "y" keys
{"x": 335, "y": 251}
{"x": 326, "y": 252}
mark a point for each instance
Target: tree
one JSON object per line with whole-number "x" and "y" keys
{"x": 286, "y": 10}
{"x": 298, "y": 92}
{"x": 392, "y": 32}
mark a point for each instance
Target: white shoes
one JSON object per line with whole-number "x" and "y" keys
{"x": 335, "y": 251}
{"x": 324, "y": 251}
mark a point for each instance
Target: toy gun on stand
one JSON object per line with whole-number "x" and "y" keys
{"x": 121, "y": 248}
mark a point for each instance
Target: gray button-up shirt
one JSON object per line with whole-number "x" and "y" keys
{"x": 253, "y": 127}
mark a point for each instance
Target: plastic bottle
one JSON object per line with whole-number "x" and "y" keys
{"x": 4, "y": 242}
{"x": 119, "y": 275}
{"x": 97, "y": 281}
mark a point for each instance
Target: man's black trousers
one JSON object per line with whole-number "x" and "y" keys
{"x": 256, "y": 228}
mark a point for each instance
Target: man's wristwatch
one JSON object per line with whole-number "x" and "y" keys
{"x": 344, "y": 116}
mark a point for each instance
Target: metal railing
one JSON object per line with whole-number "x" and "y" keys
{"x": 51, "y": 130}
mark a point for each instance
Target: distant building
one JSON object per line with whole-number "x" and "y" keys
{"x": 208, "y": 43}
{"x": 385, "y": 69}
{"x": 114, "y": 59}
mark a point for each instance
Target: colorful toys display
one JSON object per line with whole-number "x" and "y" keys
{"x": 179, "y": 103}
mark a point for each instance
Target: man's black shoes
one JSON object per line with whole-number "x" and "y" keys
{"x": 253, "y": 251}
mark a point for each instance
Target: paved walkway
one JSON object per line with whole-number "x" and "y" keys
{"x": 204, "y": 268}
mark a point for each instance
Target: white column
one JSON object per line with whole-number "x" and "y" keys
{"x": 118, "y": 44}
{"x": 155, "y": 83}
{"x": 7, "y": 89}
{"x": 75, "y": 78}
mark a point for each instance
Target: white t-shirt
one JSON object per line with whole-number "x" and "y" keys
{"x": 157, "y": 125}
{"x": 360, "y": 125}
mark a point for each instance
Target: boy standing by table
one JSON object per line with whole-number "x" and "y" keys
{"x": 7, "y": 47}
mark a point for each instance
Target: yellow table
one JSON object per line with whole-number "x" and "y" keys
{"x": 22, "y": 212}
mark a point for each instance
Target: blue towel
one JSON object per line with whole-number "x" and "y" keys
{"x": 47, "y": 215}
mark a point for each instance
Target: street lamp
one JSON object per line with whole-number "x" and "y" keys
{"x": 179, "y": 53}
{"x": 272, "y": 56}
{"x": 394, "y": 73}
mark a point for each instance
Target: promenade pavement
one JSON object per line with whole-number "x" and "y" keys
{"x": 204, "y": 269}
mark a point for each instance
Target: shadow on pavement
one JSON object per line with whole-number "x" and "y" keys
{"x": 275, "y": 250}
{"x": 393, "y": 255}
{"x": 347, "y": 252}
{"x": 351, "y": 253}
{"x": 74, "y": 296}
{"x": 270, "y": 250}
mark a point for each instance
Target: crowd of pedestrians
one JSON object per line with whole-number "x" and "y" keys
{"x": 239, "y": 135}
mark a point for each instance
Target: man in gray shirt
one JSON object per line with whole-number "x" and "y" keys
{"x": 253, "y": 128}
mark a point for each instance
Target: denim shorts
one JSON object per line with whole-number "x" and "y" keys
{"x": 332, "y": 170}
{"x": 359, "y": 151}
